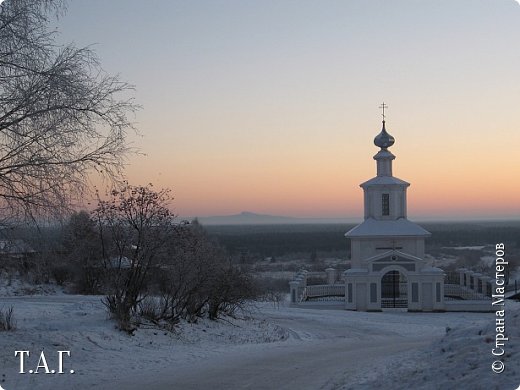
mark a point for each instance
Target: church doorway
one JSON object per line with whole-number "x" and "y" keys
{"x": 394, "y": 290}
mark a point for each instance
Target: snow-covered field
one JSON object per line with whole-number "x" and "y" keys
{"x": 280, "y": 348}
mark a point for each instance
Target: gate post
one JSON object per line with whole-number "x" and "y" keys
{"x": 462, "y": 277}
{"x": 331, "y": 275}
{"x": 294, "y": 290}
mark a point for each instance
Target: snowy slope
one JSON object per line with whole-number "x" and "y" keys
{"x": 285, "y": 348}
{"x": 100, "y": 352}
{"x": 461, "y": 359}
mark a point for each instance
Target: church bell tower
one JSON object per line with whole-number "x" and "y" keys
{"x": 388, "y": 269}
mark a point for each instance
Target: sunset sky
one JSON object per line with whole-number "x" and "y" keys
{"x": 272, "y": 106}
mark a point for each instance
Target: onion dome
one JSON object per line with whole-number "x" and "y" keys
{"x": 383, "y": 139}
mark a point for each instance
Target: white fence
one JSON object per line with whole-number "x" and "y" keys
{"x": 323, "y": 291}
{"x": 301, "y": 291}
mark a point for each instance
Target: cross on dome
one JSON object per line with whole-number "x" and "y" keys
{"x": 383, "y": 139}
{"x": 383, "y": 106}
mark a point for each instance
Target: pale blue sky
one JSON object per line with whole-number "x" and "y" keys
{"x": 282, "y": 97}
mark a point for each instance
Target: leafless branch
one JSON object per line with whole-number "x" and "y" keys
{"x": 61, "y": 116}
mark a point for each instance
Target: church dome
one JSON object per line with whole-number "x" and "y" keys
{"x": 383, "y": 139}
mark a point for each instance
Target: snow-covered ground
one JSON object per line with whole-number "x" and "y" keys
{"x": 14, "y": 285}
{"x": 474, "y": 248}
{"x": 281, "y": 348}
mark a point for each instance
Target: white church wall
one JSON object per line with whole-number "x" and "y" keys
{"x": 427, "y": 296}
{"x": 350, "y": 303}
{"x": 355, "y": 253}
{"x": 361, "y": 296}
{"x": 368, "y": 205}
{"x": 396, "y": 203}
{"x": 419, "y": 248}
{"x": 374, "y": 293}
{"x": 414, "y": 294}
{"x": 374, "y": 205}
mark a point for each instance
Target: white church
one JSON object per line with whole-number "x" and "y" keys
{"x": 388, "y": 269}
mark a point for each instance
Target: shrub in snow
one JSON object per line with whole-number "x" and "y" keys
{"x": 198, "y": 280}
{"x": 135, "y": 225}
{"x": 61, "y": 274}
{"x": 7, "y": 321}
{"x": 149, "y": 308}
{"x": 145, "y": 254}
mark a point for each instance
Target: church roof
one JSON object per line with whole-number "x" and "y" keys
{"x": 380, "y": 228}
{"x": 384, "y": 180}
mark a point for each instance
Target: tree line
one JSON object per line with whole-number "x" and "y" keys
{"x": 282, "y": 240}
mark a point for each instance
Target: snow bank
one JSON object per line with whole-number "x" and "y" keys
{"x": 461, "y": 359}
{"x": 230, "y": 331}
{"x": 100, "y": 352}
{"x": 15, "y": 286}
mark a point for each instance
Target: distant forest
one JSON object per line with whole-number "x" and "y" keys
{"x": 260, "y": 241}
{"x": 282, "y": 240}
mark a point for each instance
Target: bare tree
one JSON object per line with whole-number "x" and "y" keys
{"x": 83, "y": 253}
{"x": 61, "y": 116}
{"x": 135, "y": 225}
{"x": 191, "y": 267}
{"x": 199, "y": 278}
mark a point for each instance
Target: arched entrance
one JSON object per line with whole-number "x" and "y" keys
{"x": 394, "y": 290}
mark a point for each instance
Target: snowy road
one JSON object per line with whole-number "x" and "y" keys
{"x": 320, "y": 365}
{"x": 327, "y": 349}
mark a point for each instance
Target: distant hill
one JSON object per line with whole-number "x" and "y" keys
{"x": 249, "y": 218}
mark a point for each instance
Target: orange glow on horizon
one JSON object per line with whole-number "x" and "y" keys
{"x": 312, "y": 180}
